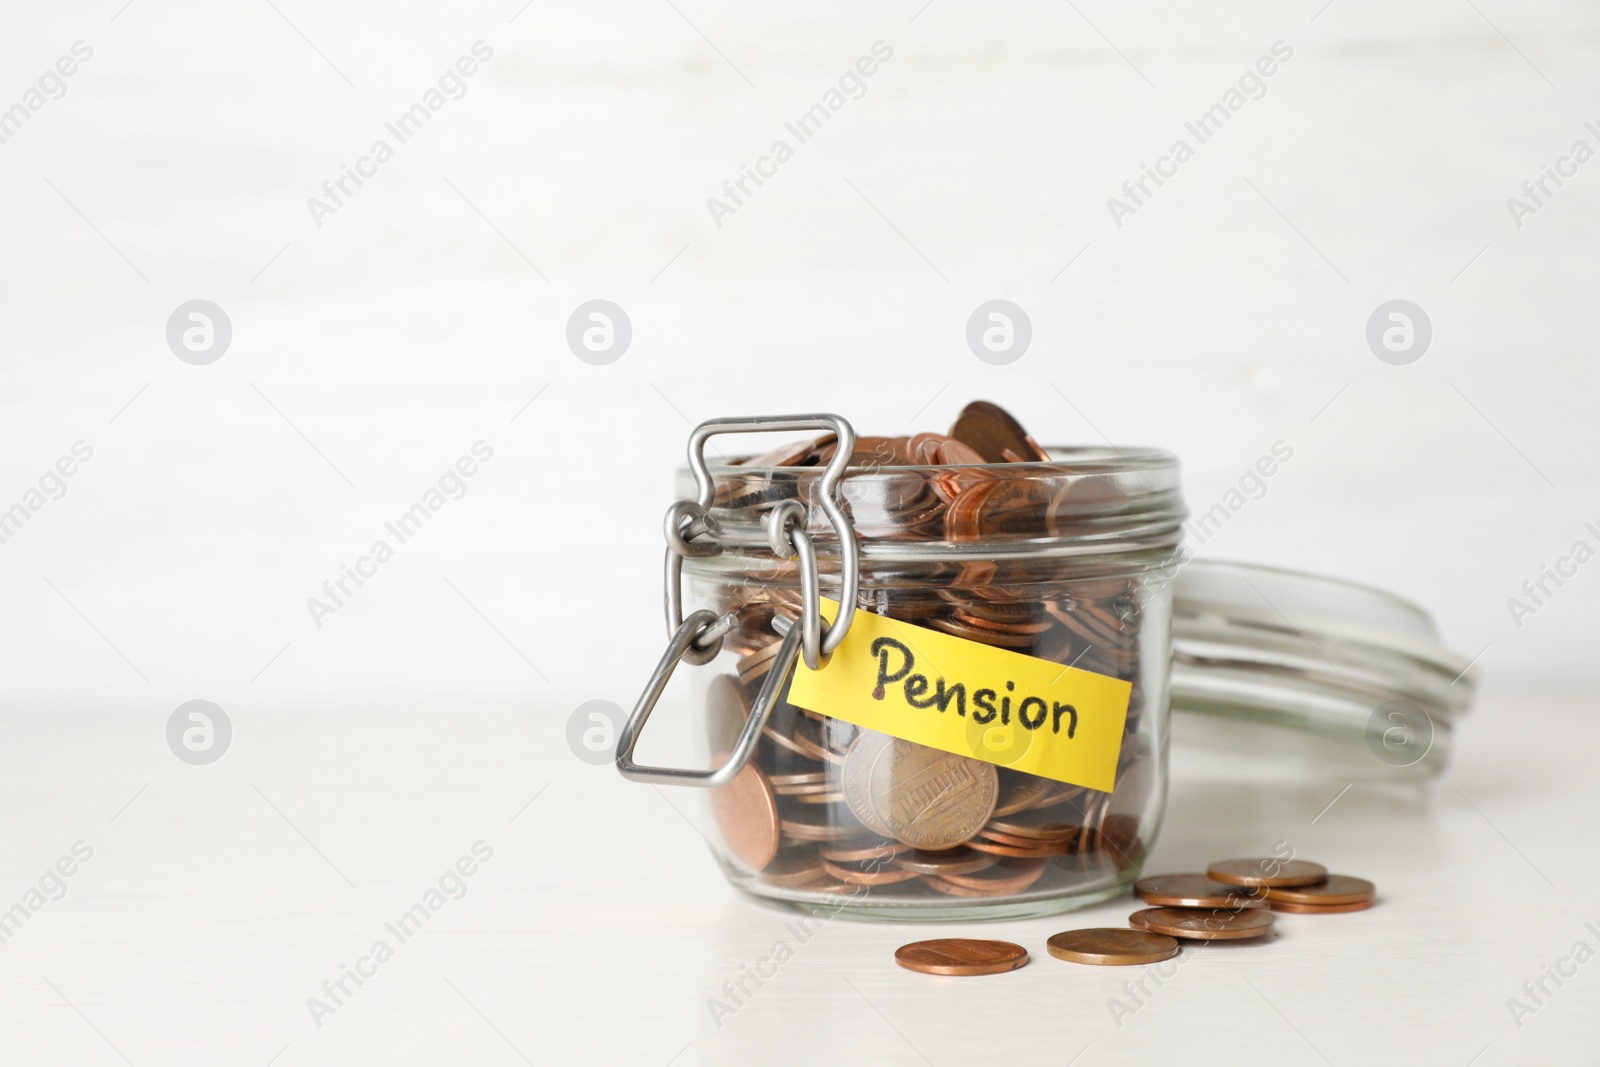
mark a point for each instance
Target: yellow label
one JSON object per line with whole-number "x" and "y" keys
{"x": 969, "y": 698}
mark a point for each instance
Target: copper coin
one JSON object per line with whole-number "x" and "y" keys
{"x": 1136, "y": 920}
{"x": 931, "y": 799}
{"x": 806, "y": 778}
{"x": 819, "y": 798}
{"x": 1039, "y": 827}
{"x": 747, "y": 814}
{"x": 1270, "y": 872}
{"x": 873, "y": 872}
{"x": 793, "y": 867}
{"x": 1338, "y": 889}
{"x": 1193, "y": 891}
{"x": 1320, "y": 909}
{"x": 1210, "y": 924}
{"x": 1111, "y": 947}
{"x": 961, "y": 956}
{"x": 988, "y": 833}
{"x": 1039, "y": 851}
{"x": 826, "y": 831}
{"x": 950, "y": 861}
{"x": 857, "y": 851}
{"x": 951, "y": 889}
{"x": 856, "y": 773}
{"x": 726, "y": 712}
{"x": 1018, "y": 791}
{"x": 1006, "y": 877}
{"x": 992, "y": 431}
{"x": 953, "y": 453}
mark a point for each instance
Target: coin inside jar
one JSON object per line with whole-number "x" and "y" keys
{"x": 961, "y": 956}
{"x": 1214, "y": 924}
{"x": 747, "y": 814}
{"x": 1267, "y": 872}
{"x": 951, "y": 861}
{"x": 1112, "y": 947}
{"x": 931, "y": 799}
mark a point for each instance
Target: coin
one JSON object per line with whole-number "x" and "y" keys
{"x": 856, "y": 851}
{"x": 1214, "y": 924}
{"x": 1319, "y": 909}
{"x": 1338, "y": 889}
{"x": 1051, "y": 827}
{"x": 793, "y": 867}
{"x": 857, "y": 775}
{"x": 726, "y": 712}
{"x": 747, "y": 814}
{"x": 1111, "y": 947}
{"x": 1274, "y": 873}
{"x": 1136, "y": 920}
{"x": 1193, "y": 891}
{"x": 1041, "y": 850}
{"x": 991, "y": 431}
{"x": 951, "y": 861}
{"x": 805, "y": 830}
{"x": 1004, "y": 878}
{"x": 961, "y": 956}
{"x": 1019, "y": 791}
{"x": 931, "y": 799}
{"x": 779, "y": 781}
{"x": 873, "y": 872}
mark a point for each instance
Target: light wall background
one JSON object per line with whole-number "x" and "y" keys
{"x": 369, "y": 353}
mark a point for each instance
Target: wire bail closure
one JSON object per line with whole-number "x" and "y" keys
{"x": 691, "y": 532}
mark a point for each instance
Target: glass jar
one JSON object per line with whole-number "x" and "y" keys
{"x": 1280, "y": 676}
{"x": 1064, "y": 561}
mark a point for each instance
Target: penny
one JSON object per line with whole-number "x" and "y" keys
{"x": 1111, "y": 947}
{"x": 804, "y": 830}
{"x": 954, "y": 453}
{"x": 1006, "y": 877}
{"x": 991, "y": 431}
{"x": 747, "y": 814}
{"x": 1039, "y": 851}
{"x": 1215, "y": 924}
{"x": 726, "y": 712}
{"x": 1268, "y": 872}
{"x": 1193, "y": 891}
{"x": 931, "y": 799}
{"x": 819, "y": 798}
{"x": 856, "y": 773}
{"x": 1320, "y": 909}
{"x": 1338, "y": 889}
{"x": 805, "y": 778}
{"x": 1136, "y": 920}
{"x": 807, "y": 739}
{"x": 793, "y": 867}
{"x": 873, "y": 872}
{"x": 989, "y": 833}
{"x": 856, "y": 851}
{"x": 961, "y": 956}
{"x": 951, "y": 861}
{"x": 1018, "y": 792}
{"x": 1046, "y": 828}
{"x": 797, "y": 790}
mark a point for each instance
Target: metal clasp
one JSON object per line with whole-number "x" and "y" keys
{"x": 690, "y": 531}
{"x": 688, "y": 520}
{"x": 682, "y": 640}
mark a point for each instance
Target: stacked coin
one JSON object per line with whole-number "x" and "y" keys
{"x": 861, "y": 813}
{"x": 1231, "y": 901}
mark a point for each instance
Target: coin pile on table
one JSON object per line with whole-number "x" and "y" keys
{"x": 1232, "y": 901}
{"x": 824, "y": 807}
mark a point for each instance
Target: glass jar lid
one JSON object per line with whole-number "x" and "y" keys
{"x": 1344, "y": 680}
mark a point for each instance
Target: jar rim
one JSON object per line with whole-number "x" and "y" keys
{"x": 1091, "y": 500}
